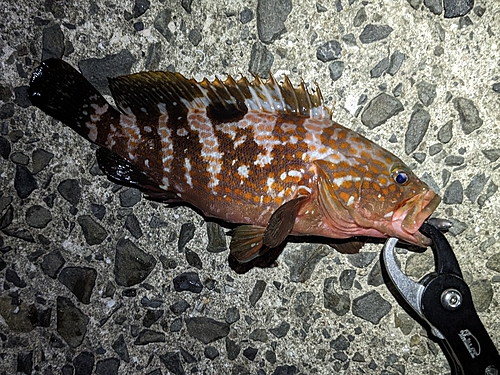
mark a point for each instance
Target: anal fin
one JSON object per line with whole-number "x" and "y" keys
{"x": 123, "y": 172}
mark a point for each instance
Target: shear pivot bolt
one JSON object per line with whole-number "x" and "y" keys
{"x": 451, "y": 299}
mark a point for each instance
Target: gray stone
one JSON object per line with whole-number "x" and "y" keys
{"x": 93, "y": 232}
{"x": 7, "y": 217}
{"x": 453, "y": 193}
{"x": 415, "y": 4}
{"x": 373, "y": 33}
{"x": 446, "y": 132}
{"x": 52, "y": 263}
{"x": 40, "y": 159}
{"x": 232, "y": 315}
{"x": 19, "y": 158}
{"x": 246, "y": 15}
{"x": 258, "y": 290}
{"x": 211, "y": 352}
{"x": 454, "y": 160}
{"x": 258, "y": 334}
{"x": 70, "y": 190}
{"x": 331, "y": 50}
{"x": 108, "y": 366}
{"x": 302, "y": 263}
{"x": 140, "y": 7}
{"x": 347, "y": 279}
{"x": 490, "y": 190}
{"x": 7, "y": 110}
{"x": 457, "y": 8}
{"x": 380, "y": 68}
{"x": 496, "y": 87}
{"x": 338, "y": 303}
{"x": 340, "y": 343}
{"x": 186, "y": 234}
{"x": 52, "y": 42}
{"x": 172, "y": 361}
{"x": 84, "y": 363}
{"x": 426, "y": 92}
{"x": 435, "y": 149}
{"x": 193, "y": 259}
{"x": 476, "y": 186}
{"x": 360, "y": 17}
{"x": 469, "y": 115}
{"x": 120, "y": 348}
{"x": 98, "y": 210}
{"x": 24, "y": 182}
{"x": 187, "y": 282}
{"x": 375, "y": 277}
{"x": 132, "y": 265}
{"x": 397, "y": 59}
{"x": 232, "y": 349}
{"x": 271, "y": 17}
{"x": 336, "y": 69}
{"x": 404, "y": 322}
{"x": 250, "y": 353}
{"x": 216, "y": 238}
{"x": 371, "y": 307}
{"x": 417, "y": 127}
{"x": 97, "y": 71}
{"x": 206, "y": 330}
{"x": 161, "y": 23}
{"x": 362, "y": 259}
{"x": 12, "y": 277}
{"x": 148, "y": 336}
{"x": 493, "y": 262}
{"x": 303, "y": 303}
{"x": 130, "y": 197}
{"x": 133, "y": 226}
{"x": 281, "y": 330}
{"x": 80, "y": 281}
{"x": 5, "y": 148}
{"x": 491, "y": 154}
{"x": 261, "y": 60}
{"x": 195, "y": 37}
{"x": 71, "y": 322}
{"x": 38, "y": 216}
{"x": 380, "y": 109}
{"x": 482, "y": 294}
{"x": 435, "y": 6}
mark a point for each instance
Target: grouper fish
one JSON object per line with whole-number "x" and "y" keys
{"x": 264, "y": 155}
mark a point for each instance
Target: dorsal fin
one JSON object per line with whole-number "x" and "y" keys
{"x": 142, "y": 92}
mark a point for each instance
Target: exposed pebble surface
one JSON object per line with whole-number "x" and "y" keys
{"x": 98, "y": 280}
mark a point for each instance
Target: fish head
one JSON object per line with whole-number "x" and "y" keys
{"x": 373, "y": 193}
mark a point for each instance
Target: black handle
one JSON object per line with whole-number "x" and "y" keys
{"x": 447, "y": 305}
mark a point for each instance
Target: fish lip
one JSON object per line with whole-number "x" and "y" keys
{"x": 413, "y": 213}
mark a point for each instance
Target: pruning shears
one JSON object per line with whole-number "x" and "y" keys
{"x": 443, "y": 300}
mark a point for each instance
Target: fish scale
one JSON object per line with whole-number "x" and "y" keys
{"x": 260, "y": 154}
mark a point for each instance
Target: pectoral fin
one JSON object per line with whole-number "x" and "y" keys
{"x": 246, "y": 243}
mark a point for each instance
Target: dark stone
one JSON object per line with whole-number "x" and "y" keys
{"x": 24, "y": 182}
{"x": 11, "y": 276}
{"x": 285, "y": 370}
{"x": 176, "y": 325}
{"x": 179, "y": 307}
{"x": 347, "y": 279}
{"x": 156, "y": 222}
{"x": 153, "y": 303}
{"x": 380, "y": 109}
{"x": 7, "y": 217}
{"x": 232, "y": 315}
{"x": 193, "y": 259}
{"x": 373, "y": 33}
{"x": 108, "y": 366}
{"x": 454, "y": 193}
{"x": 140, "y": 7}
{"x": 371, "y": 307}
{"x": 361, "y": 260}
{"x": 172, "y": 362}
{"x": 336, "y": 69}
{"x": 70, "y": 190}
{"x": 21, "y": 97}
{"x": 360, "y": 17}
{"x": 281, "y": 330}
{"x": 40, "y": 159}
{"x": 380, "y": 68}
{"x": 211, "y": 353}
{"x": 132, "y": 265}
{"x": 496, "y": 87}
{"x": 188, "y": 281}
{"x": 186, "y": 4}
{"x": 457, "y": 8}
{"x": 270, "y": 356}
{"x": 302, "y": 263}
{"x": 375, "y": 277}
{"x": 453, "y": 160}
{"x": 482, "y": 294}
{"x": 216, "y": 238}
{"x": 186, "y": 235}
{"x": 147, "y": 336}
{"x": 25, "y": 362}
{"x": 340, "y": 343}
{"x": 188, "y": 357}
{"x": 258, "y": 334}
{"x": 138, "y": 26}
{"x": 38, "y": 216}
{"x": 93, "y": 232}
{"x": 19, "y": 158}
{"x": 52, "y": 42}
{"x": 194, "y": 37}
{"x": 20, "y": 233}
{"x": 435, "y": 6}
{"x": 271, "y": 17}
{"x": 258, "y": 290}
{"x": 5, "y": 148}
{"x": 120, "y": 347}
{"x": 331, "y": 50}
{"x": 232, "y": 349}
{"x": 417, "y": 127}
{"x": 446, "y": 132}
{"x": 130, "y": 197}
{"x": 334, "y": 301}
{"x": 52, "y": 263}
{"x": 97, "y": 71}
{"x": 133, "y": 226}
{"x": 84, "y": 363}
{"x": 71, "y": 322}
{"x": 151, "y": 317}
{"x": 426, "y": 92}
{"x": 246, "y": 15}
{"x": 206, "y": 330}
{"x": 397, "y": 59}
{"x": 303, "y": 303}
{"x": 161, "y": 24}
{"x": 490, "y": 190}
{"x": 98, "y": 210}
{"x": 6, "y": 111}
{"x": 261, "y": 60}
{"x": 492, "y": 154}
{"x": 469, "y": 115}
{"x": 250, "y": 353}
{"x": 80, "y": 281}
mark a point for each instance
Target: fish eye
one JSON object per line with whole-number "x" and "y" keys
{"x": 400, "y": 177}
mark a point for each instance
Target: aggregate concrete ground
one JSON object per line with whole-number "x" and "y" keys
{"x": 97, "y": 279}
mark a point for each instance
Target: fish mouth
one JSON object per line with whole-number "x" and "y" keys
{"x": 409, "y": 217}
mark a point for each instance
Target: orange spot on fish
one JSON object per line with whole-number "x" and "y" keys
{"x": 266, "y": 199}
{"x": 376, "y": 186}
{"x": 342, "y": 134}
{"x": 347, "y": 184}
{"x": 256, "y": 199}
{"x": 278, "y": 200}
{"x": 247, "y": 196}
{"x": 344, "y": 196}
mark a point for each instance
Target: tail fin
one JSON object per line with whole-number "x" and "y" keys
{"x": 62, "y": 92}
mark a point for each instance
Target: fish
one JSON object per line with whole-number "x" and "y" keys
{"x": 263, "y": 155}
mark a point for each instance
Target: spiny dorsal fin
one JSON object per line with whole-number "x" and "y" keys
{"x": 142, "y": 92}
